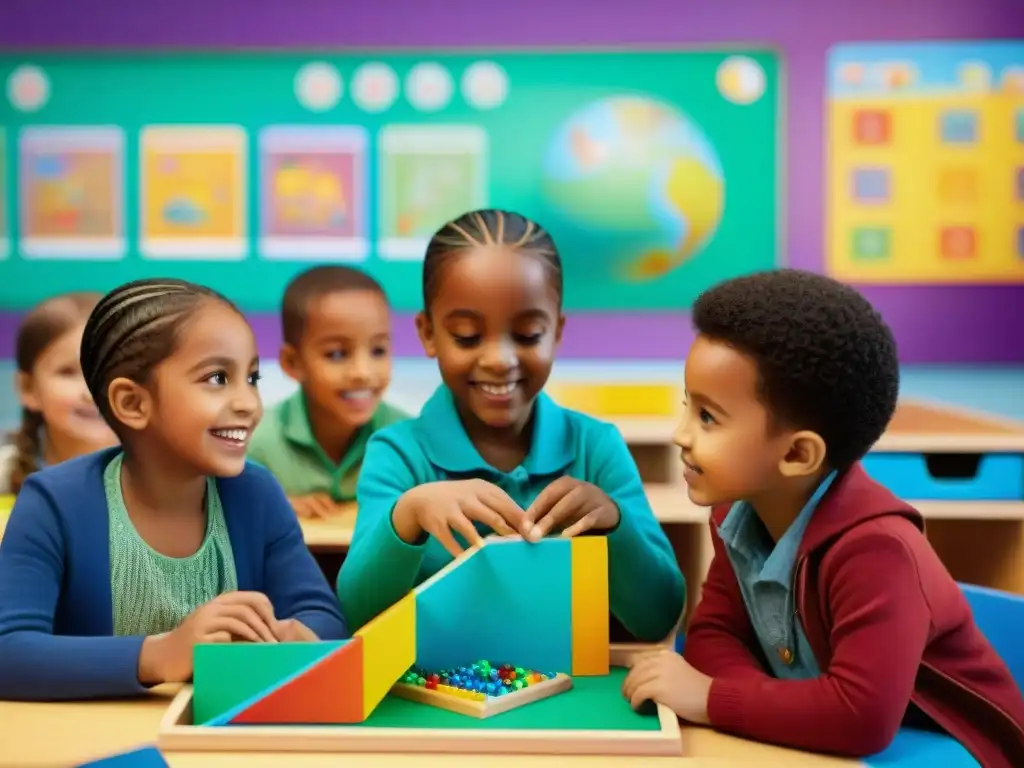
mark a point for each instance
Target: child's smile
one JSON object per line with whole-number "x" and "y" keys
{"x": 727, "y": 449}
{"x": 343, "y": 361}
{"x": 206, "y": 403}
{"x": 494, "y": 327}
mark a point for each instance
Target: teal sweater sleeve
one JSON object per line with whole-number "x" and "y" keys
{"x": 646, "y": 590}
{"x": 380, "y": 568}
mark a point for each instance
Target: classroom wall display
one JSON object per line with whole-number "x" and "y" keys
{"x": 926, "y": 162}
{"x": 656, "y": 171}
{"x": 5, "y": 240}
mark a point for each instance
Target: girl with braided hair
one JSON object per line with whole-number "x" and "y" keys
{"x": 114, "y": 565}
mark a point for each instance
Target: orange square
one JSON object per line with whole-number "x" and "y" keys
{"x": 958, "y": 243}
{"x": 872, "y": 127}
{"x": 958, "y": 185}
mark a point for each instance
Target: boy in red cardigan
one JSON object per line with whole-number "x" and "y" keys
{"x": 827, "y": 621}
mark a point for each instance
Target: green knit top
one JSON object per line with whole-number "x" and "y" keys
{"x": 150, "y": 592}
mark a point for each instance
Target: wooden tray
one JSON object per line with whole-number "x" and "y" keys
{"x": 177, "y": 733}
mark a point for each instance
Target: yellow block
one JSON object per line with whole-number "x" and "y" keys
{"x": 643, "y": 401}
{"x": 389, "y": 649}
{"x": 590, "y": 630}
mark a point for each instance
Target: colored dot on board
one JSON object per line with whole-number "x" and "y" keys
{"x": 476, "y": 681}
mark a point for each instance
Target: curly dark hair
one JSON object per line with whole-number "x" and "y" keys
{"x": 826, "y": 359}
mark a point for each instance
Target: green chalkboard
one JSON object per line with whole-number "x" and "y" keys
{"x": 657, "y": 171}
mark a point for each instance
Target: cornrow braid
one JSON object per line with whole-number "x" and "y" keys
{"x": 483, "y": 228}
{"x": 133, "y": 329}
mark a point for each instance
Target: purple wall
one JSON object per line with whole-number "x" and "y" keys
{"x": 933, "y": 324}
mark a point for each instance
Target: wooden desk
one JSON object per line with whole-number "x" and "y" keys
{"x": 331, "y": 534}
{"x": 50, "y": 735}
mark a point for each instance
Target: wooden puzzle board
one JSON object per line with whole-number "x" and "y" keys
{"x": 591, "y": 719}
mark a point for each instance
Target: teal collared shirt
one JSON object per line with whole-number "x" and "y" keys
{"x": 765, "y": 575}
{"x": 646, "y": 589}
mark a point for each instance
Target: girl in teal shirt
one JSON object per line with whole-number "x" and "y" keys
{"x": 490, "y": 452}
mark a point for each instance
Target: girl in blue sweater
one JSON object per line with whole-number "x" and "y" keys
{"x": 116, "y": 564}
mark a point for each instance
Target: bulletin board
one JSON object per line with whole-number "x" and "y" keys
{"x": 926, "y": 162}
{"x": 656, "y": 171}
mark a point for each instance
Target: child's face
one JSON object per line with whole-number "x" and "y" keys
{"x": 56, "y": 388}
{"x": 494, "y": 327}
{"x": 727, "y": 449}
{"x": 204, "y": 404}
{"x": 343, "y": 362}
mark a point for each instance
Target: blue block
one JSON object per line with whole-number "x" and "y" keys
{"x": 958, "y": 126}
{"x": 510, "y": 603}
{"x": 1000, "y": 477}
{"x": 871, "y": 185}
{"x": 146, "y": 757}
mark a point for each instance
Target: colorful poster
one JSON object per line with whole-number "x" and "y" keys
{"x": 71, "y": 187}
{"x": 926, "y": 162}
{"x": 428, "y": 175}
{"x": 313, "y": 193}
{"x": 192, "y": 192}
{"x": 5, "y": 233}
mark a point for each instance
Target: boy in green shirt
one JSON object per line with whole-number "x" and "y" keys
{"x": 335, "y": 323}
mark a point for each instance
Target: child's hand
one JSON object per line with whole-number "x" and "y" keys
{"x": 452, "y": 506}
{"x": 294, "y": 631}
{"x": 315, "y": 505}
{"x": 667, "y": 678}
{"x": 572, "y": 506}
{"x": 248, "y": 616}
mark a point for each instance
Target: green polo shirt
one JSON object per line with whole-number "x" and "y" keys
{"x": 646, "y": 590}
{"x": 284, "y": 444}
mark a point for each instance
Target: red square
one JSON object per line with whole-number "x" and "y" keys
{"x": 872, "y": 127}
{"x": 958, "y": 243}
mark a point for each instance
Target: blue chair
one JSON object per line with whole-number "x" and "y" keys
{"x": 1000, "y": 617}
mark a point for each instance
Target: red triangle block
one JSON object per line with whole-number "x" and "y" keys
{"x": 330, "y": 692}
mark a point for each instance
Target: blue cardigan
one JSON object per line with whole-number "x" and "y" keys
{"x": 56, "y": 616}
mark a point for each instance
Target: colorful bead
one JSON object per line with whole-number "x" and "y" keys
{"x": 477, "y": 681}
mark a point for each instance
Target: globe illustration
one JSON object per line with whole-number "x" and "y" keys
{"x": 632, "y": 187}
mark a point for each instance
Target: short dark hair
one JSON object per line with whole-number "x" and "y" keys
{"x": 826, "y": 359}
{"x": 314, "y": 284}
{"x": 134, "y": 328}
{"x": 489, "y": 226}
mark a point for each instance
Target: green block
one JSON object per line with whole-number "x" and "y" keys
{"x": 871, "y": 243}
{"x": 228, "y": 674}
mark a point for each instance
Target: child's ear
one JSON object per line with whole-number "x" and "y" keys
{"x": 130, "y": 403}
{"x": 290, "y": 363}
{"x": 425, "y": 330}
{"x": 806, "y": 455}
{"x": 558, "y": 329}
{"x": 27, "y": 392}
